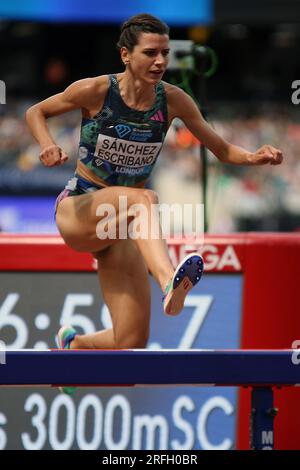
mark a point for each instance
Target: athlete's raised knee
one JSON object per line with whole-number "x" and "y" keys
{"x": 151, "y": 195}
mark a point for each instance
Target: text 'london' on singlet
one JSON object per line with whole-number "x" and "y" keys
{"x": 120, "y": 144}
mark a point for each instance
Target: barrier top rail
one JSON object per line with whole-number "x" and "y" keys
{"x": 150, "y": 367}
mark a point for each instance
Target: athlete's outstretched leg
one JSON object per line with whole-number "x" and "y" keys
{"x": 77, "y": 221}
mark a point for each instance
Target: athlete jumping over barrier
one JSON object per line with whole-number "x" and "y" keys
{"x": 125, "y": 118}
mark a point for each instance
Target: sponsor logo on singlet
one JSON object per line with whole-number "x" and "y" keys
{"x": 122, "y": 130}
{"x": 158, "y": 116}
{"x": 141, "y": 135}
{"x": 124, "y": 153}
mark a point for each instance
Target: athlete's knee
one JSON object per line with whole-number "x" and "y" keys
{"x": 144, "y": 196}
{"x": 151, "y": 195}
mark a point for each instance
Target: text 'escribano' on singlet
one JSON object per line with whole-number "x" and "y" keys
{"x": 121, "y": 145}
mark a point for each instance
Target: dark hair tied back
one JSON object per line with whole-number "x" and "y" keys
{"x": 142, "y": 23}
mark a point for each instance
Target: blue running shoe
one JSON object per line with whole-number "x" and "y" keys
{"x": 64, "y": 337}
{"x": 186, "y": 276}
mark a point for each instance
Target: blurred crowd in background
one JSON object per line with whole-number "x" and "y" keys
{"x": 248, "y": 102}
{"x": 239, "y": 198}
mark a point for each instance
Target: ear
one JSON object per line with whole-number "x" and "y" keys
{"x": 124, "y": 55}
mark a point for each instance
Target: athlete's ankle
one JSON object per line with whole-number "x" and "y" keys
{"x": 164, "y": 282}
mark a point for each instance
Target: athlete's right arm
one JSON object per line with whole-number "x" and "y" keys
{"x": 78, "y": 95}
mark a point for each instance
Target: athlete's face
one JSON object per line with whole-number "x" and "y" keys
{"x": 149, "y": 58}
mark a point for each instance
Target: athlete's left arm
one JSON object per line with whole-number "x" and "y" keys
{"x": 183, "y": 107}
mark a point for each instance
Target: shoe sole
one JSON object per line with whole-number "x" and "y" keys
{"x": 186, "y": 276}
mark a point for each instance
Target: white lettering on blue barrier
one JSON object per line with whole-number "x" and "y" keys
{"x": 267, "y": 437}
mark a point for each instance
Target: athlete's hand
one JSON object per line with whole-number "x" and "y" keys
{"x": 53, "y": 155}
{"x": 266, "y": 154}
